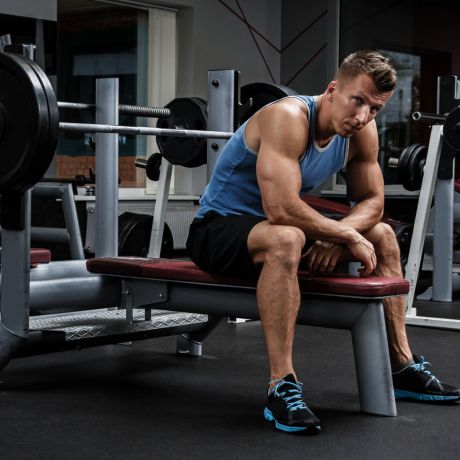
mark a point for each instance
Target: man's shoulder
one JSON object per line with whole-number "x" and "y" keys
{"x": 364, "y": 142}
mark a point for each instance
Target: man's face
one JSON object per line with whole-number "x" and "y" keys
{"x": 355, "y": 103}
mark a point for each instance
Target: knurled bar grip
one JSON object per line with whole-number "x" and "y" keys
{"x": 140, "y": 111}
{"x": 141, "y": 130}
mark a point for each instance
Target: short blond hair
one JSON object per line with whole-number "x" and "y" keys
{"x": 370, "y": 63}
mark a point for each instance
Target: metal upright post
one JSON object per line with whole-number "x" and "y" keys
{"x": 15, "y": 283}
{"x": 107, "y": 169}
{"x": 443, "y": 240}
{"x": 222, "y": 97}
{"x": 423, "y": 207}
{"x": 159, "y": 213}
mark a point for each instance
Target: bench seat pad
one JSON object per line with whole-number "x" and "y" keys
{"x": 37, "y": 256}
{"x": 186, "y": 271}
{"x": 40, "y": 256}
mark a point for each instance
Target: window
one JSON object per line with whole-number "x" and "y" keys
{"x": 100, "y": 40}
{"x": 419, "y": 38}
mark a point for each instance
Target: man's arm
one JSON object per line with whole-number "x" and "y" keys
{"x": 283, "y": 137}
{"x": 364, "y": 177}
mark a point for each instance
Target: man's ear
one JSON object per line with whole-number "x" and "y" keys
{"x": 331, "y": 87}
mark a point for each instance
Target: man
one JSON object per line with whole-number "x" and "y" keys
{"x": 252, "y": 221}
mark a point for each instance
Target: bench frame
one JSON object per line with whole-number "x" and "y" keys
{"x": 363, "y": 316}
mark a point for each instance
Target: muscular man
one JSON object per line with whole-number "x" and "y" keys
{"x": 253, "y": 223}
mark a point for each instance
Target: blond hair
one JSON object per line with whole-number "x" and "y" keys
{"x": 370, "y": 63}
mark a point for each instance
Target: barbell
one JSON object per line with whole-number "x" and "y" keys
{"x": 29, "y": 123}
{"x": 451, "y": 128}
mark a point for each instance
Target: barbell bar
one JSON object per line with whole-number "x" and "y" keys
{"x": 428, "y": 117}
{"x": 137, "y": 110}
{"x": 29, "y": 137}
{"x": 451, "y": 122}
{"x": 142, "y": 131}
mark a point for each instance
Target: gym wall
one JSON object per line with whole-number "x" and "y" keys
{"x": 40, "y": 9}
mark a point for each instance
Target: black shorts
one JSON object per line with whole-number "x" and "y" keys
{"x": 219, "y": 244}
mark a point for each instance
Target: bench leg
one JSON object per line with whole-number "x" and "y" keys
{"x": 191, "y": 343}
{"x": 9, "y": 343}
{"x": 372, "y": 361}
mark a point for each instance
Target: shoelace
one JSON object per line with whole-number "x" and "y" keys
{"x": 421, "y": 368}
{"x": 292, "y": 396}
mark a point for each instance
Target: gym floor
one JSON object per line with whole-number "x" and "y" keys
{"x": 142, "y": 401}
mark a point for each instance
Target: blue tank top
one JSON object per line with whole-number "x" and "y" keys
{"x": 233, "y": 187}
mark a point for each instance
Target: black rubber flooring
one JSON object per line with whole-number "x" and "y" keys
{"x": 145, "y": 402}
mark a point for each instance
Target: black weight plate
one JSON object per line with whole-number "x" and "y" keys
{"x": 26, "y": 114}
{"x": 402, "y": 173}
{"x": 450, "y": 131}
{"x": 134, "y": 236}
{"x": 152, "y": 169}
{"x": 190, "y": 114}
{"x": 417, "y": 162}
{"x": 261, "y": 95}
{"x": 410, "y": 166}
{"x": 2, "y": 121}
{"x": 32, "y": 171}
{"x": 48, "y": 148}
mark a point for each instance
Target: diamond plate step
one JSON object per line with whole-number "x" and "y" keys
{"x": 99, "y": 323}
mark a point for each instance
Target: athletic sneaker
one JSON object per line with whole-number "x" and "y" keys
{"x": 286, "y": 409}
{"x": 415, "y": 381}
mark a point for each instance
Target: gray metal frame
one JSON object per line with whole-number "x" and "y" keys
{"x": 71, "y": 233}
{"x": 107, "y": 169}
{"x": 442, "y": 188}
{"x": 363, "y": 316}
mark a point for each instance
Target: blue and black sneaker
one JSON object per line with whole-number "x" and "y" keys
{"x": 286, "y": 409}
{"x": 415, "y": 381}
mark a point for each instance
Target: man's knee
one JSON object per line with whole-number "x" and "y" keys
{"x": 383, "y": 237}
{"x": 284, "y": 246}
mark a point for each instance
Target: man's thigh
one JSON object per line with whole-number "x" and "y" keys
{"x": 219, "y": 244}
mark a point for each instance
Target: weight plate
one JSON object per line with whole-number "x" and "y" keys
{"x": 32, "y": 170}
{"x": 450, "y": 131}
{"x": 410, "y": 166}
{"x": 261, "y": 94}
{"x": 2, "y": 121}
{"x": 134, "y": 232}
{"x": 26, "y": 115}
{"x": 186, "y": 113}
{"x": 48, "y": 148}
{"x": 152, "y": 169}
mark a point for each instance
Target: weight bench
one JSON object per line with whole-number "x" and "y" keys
{"x": 339, "y": 301}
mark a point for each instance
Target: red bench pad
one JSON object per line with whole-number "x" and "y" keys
{"x": 38, "y": 256}
{"x": 178, "y": 270}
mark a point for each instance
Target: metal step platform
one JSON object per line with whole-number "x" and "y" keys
{"x": 102, "y": 323}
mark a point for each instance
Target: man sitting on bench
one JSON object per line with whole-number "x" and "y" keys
{"x": 253, "y": 223}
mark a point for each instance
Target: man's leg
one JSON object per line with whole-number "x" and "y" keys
{"x": 411, "y": 379}
{"x": 388, "y": 264}
{"x": 278, "y": 249}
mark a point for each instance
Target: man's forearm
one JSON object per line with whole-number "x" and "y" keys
{"x": 314, "y": 225}
{"x": 364, "y": 215}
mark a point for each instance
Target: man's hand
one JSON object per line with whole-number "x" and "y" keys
{"x": 363, "y": 251}
{"x": 323, "y": 257}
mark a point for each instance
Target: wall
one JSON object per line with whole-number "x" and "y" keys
{"x": 212, "y": 35}
{"x": 307, "y": 47}
{"x": 41, "y": 9}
